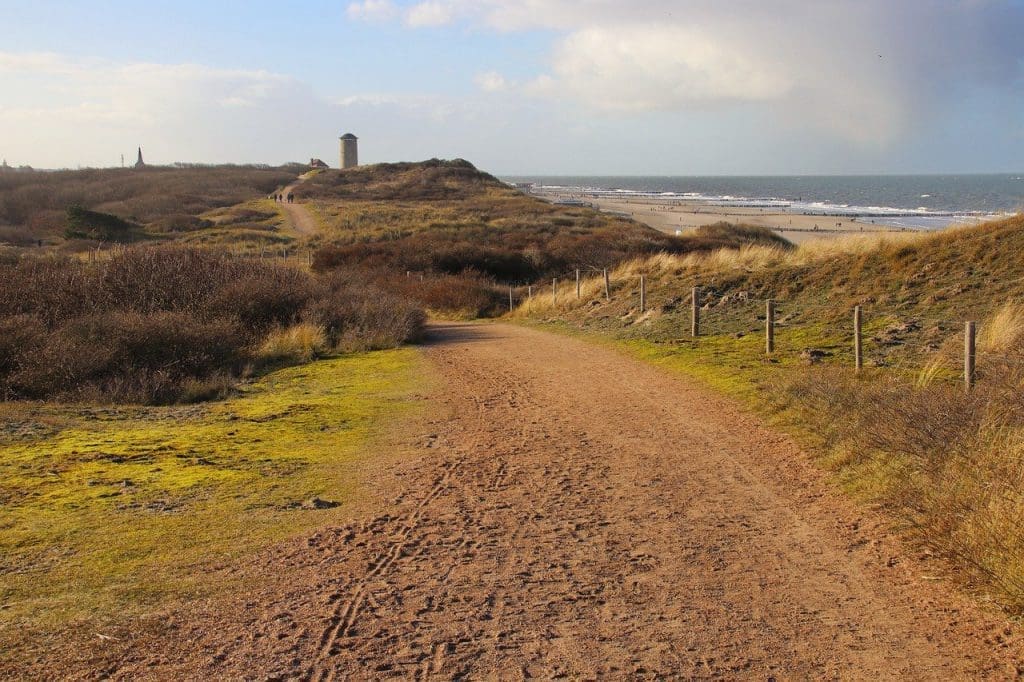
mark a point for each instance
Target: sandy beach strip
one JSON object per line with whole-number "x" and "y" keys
{"x": 671, "y": 214}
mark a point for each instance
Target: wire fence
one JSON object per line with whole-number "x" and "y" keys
{"x": 939, "y": 348}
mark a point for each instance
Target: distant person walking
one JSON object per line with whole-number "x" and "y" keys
{"x": 291, "y": 198}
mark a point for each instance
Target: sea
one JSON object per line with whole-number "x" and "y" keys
{"x": 908, "y": 201}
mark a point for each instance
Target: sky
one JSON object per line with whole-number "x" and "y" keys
{"x": 577, "y": 87}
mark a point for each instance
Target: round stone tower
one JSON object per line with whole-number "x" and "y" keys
{"x": 349, "y": 151}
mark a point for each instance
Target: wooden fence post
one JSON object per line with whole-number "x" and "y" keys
{"x": 529, "y": 292}
{"x": 858, "y": 349}
{"x": 510, "y": 303}
{"x": 970, "y": 337}
{"x": 643, "y": 294}
{"x": 607, "y": 286}
{"x": 769, "y": 327}
{"x": 577, "y": 285}
{"x": 695, "y": 312}
{"x": 554, "y": 291}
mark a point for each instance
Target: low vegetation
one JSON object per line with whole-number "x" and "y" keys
{"x": 85, "y": 224}
{"x": 433, "y": 180}
{"x": 169, "y": 324}
{"x": 948, "y": 462}
{"x": 903, "y": 433}
{"x": 439, "y": 233}
{"x": 464, "y": 236}
{"x": 34, "y": 205}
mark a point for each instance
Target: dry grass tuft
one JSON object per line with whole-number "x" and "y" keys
{"x": 756, "y": 256}
{"x": 853, "y": 245}
{"x": 298, "y": 343}
{"x": 1004, "y": 331}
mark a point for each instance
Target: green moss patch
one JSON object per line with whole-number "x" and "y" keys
{"x": 110, "y": 510}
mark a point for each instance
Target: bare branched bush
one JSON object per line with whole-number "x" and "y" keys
{"x": 166, "y": 324}
{"x": 360, "y": 315}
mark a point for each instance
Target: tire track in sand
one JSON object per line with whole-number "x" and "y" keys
{"x": 348, "y": 611}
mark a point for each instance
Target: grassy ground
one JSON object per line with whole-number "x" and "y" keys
{"x": 253, "y": 227}
{"x": 492, "y": 206}
{"x": 108, "y": 511}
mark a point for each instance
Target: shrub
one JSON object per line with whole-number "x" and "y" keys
{"x": 466, "y": 295}
{"x": 359, "y": 315}
{"x": 127, "y": 356}
{"x": 21, "y": 336}
{"x": 276, "y": 298}
{"x": 163, "y": 324}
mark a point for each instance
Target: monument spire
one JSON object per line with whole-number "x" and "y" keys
{"x": 140, "y": 163}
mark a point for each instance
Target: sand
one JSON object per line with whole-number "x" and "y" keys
{"x": 669, "y": 215}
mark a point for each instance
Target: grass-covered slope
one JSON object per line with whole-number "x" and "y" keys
{"x": 165, "y": 201}
{"x": 465, "y": 233}
{"x": 903, "y": 433}
{"x": 913, "y": 288}
{"x": 447, "y": 217}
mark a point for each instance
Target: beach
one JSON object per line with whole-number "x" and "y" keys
{"x": 670, "y": 214}
{"x": 798, "y": 207}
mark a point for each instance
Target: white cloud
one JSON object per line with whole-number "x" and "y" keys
{"x": 669, "y": 86}
{"x": 433, "y": 13}
{"x": 491, "y": 81}
{"x": 650, "y": 67}
{"x": 372, "y": 10}
{"x": 63, "y": 111}
{"x": 69, "y": 110}
{"x": 861, "y": 70}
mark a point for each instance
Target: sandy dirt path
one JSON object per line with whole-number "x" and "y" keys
{"x": 566, "y": 512}
{"x": 299, "y": 217}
